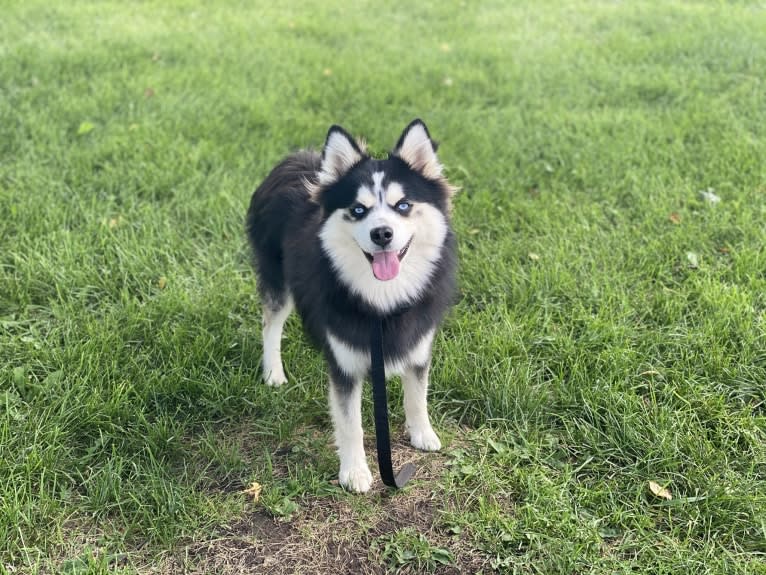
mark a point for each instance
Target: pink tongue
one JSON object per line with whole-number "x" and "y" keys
{"x": 385, "y": 265}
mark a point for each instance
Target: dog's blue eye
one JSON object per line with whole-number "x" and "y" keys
{"x": 403, "y": 207}
{"x": 358, "y": 211}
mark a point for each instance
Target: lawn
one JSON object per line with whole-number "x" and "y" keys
{"x": 600, "y": 386}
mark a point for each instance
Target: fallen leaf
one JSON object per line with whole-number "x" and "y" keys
{"x": 693, "y": 259}
{"x": 149, "y": 92}
{"x": 533, "y": 256}
{"x": 675, "y": 218}
{"x": 474, "y": 231}
{"x": 659, "y": 491}
{"x": 254, "y": 491}
{"x": 649, "y": 372}
{"x": 444, "y": 47}
{"x": 85, "y": 128}
{"x": 710, "y": 196}
{"x": 156, "y": 57}
{"x": 162, "y": 282}
{"x": 724, "y": 250}
{"x": 447, "y": 81}
{"x": 114, "y": 222}
{"x": 327, "y": 72}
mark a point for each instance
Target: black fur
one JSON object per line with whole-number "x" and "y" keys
{"x": 283, "y": 223}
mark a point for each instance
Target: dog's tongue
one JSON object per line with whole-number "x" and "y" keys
{"x": 385, "y": 265}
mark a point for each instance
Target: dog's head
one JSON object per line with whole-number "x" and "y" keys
{"x": 384, "y": 221}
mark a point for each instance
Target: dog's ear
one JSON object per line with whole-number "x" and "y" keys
{"x": 340, "y": 154}
{"x": 416, "y": 147}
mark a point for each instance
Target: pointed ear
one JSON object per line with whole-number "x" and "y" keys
{"x": 416, "y": 147}
{"x": 339, "y": 155}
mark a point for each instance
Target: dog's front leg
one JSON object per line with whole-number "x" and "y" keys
{"x": 415, "y": 384}
{"x": 346, "y": 412}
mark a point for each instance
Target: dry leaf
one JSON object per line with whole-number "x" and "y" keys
{"x": 162, "y": 282}
{"x": 254, "y": 491}
{"x": 474, "y": 231}
{"x": 327, "y": 72}
{"x": 659, "y": 491}
{"x": 149, "y": 92}
{"x": 675, "y": 218}
{"x": 533, "y": 256}
{"x": 444, "y": 47}
{"x": 114, "y": 222}
{"x": 156, "y": 57}
{"x": 447, "y": 81}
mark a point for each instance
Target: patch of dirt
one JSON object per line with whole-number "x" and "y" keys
{"x": 334, "y": 535}
{"x": 337, "y": 534}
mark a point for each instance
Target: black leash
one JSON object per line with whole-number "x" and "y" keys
{"x": 382, "y": 438}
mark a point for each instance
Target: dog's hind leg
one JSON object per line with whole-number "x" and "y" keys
{"x": 275, "y": 312}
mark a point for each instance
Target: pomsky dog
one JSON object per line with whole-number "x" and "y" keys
{"x": 346, "y": 238}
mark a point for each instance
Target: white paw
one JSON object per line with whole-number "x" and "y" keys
{"x": 357, "y": 479}
{"x": 274, "y": 377}
{"x": 425, "y": 439}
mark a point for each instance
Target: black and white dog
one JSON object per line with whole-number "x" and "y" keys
{"x": 346, "y": 238}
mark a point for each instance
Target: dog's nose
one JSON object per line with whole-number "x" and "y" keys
{"x": 382, "y": 236}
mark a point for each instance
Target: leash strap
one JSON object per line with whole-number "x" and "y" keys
{"x": 380, "y": 401}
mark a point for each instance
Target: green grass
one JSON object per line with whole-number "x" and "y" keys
{"x": 611, "y": 329}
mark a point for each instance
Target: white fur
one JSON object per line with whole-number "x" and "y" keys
{"x": 273, "y": 323}
{"x": 422, "y": 435}
{"x": 344, "y": 242}
{"x": 377, "y": 197}
{"x": 418, "y": 151}
{"x": 377, "y": 184}
{"x": 339, "y": 155}
{"x": 394, "y": 193}
{"x": 356, "y": 363}
{"x": 346, "y": 412}
{"x": 352, "y": 362}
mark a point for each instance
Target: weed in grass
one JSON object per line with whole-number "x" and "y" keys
{"x": 409, "y": 550}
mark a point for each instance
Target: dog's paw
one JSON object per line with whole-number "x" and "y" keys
{"x": 425, "y": 439}
{"x": 357, "y": 479}
{"x": 274, "y": 377}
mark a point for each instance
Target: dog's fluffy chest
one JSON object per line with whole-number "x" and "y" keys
{"x": 354, "y": 361}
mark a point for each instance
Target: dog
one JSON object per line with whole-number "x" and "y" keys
{"x": 346, "y": 238}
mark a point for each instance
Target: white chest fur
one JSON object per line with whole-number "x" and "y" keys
{"x": 356, "y": 363}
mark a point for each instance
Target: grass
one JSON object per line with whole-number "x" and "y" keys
{"x": 612, "y": 322}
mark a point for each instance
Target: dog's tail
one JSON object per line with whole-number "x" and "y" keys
{"x": 282, "y": 194}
